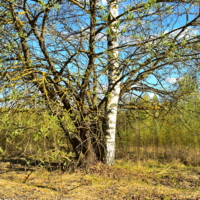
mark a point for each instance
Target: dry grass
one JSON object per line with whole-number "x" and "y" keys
{"x": 126, "y": 180}
{"x": 168, "y": 154}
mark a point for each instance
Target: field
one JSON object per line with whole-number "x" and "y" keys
{"x": 125, "y": 180}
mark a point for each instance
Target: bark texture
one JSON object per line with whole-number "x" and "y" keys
{"x": 114, "y": 84}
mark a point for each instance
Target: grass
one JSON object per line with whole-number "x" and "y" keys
{"x": 125, "y": 180}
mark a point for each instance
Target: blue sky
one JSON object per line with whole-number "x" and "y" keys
{"x": 171, "y": 21}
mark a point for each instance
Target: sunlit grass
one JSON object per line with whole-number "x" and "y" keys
{"x": 144, "y": 180}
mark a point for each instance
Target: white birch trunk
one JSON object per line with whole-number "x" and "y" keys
{"x": 113, "y": 73}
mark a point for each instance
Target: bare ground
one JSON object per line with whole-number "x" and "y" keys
{"x": 126, "y": 180}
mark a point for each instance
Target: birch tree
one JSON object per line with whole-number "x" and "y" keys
{"x": 84, "y": 57}
{"x": 113, "y": 81}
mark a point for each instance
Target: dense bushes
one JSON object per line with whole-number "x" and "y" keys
{"x": 165, "y": 132}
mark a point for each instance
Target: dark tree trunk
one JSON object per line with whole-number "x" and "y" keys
{"x": 87, "y": 144}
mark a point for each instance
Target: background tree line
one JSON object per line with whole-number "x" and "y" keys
{"x": 165, "y": 132}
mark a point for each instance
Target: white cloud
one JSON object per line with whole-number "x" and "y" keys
{"x": 102, "y": 2}
{"x": 151, "y": 95}
{"x": 173, "y": 80}
{"x": 188, "y": 33}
